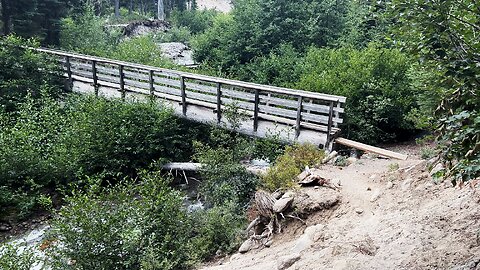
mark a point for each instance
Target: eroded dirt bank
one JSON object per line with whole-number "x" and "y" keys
{"x": 389, "y": 217}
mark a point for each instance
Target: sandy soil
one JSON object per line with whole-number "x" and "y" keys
{"x": 412, "y": 224}
{"x": 220, "y": 5}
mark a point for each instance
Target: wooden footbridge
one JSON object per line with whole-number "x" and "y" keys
{"x": 293, "y": 115}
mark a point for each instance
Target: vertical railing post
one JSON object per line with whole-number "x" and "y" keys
{"x": 219, "y": 103}
{"x": 255, "y": 110}
{"x": 94, "y": 77}
{"x": 329, "y": 127}
{"x": 69, "y": 73}
{"x": 151, "y": 82}
{"x": 299, "y": 117}
{"x": 184, "y": 95}
{"x": 122, "y": 80}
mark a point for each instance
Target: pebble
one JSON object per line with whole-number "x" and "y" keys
{"x": 376, "y": 194}
{"x": 358, "y": 210}
{"x": 389, "y": 185}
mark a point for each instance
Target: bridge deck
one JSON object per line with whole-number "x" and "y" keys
{"x": 293, "y": 115}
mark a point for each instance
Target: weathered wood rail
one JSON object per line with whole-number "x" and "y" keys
{"x": 293, "y": 115}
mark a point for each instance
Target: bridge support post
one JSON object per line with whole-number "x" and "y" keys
{"x": 122, "y": 80}
{"x": 219, "y": 103}
{"x": 328, "y": 143}
{"x": 69, "y": 73}
{"x": 184, "y": 95}
{"x": 151, "y": 82}
{"x": 255, "y": 110}
{"x": 299, "y": 117}
{"x": 94, "y": 77}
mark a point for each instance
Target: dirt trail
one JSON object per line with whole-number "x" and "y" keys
{"x": 388, "y": 219}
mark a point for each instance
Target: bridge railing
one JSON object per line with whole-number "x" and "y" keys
{"x": 300, "y": 109}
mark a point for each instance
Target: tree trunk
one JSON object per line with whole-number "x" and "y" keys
{"x": 117, "y": 8}
{"x": 160, "y": 10}
{"x": 5, "y": 17}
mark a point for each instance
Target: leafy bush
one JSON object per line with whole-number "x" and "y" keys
{"x": 129, "y": 226}
{"x": 175, "y": 34}
{"x": 25, "y": 72}
{"x": 86, "y": 34}
{"x": 225, "y": 179}
{"x": 290, "y": 164}
{"x": 18, "y": 257}
{"x": 256, "y": 27}
{"x": 376, "y": 83}
{"x": 280, "y": 67}
{"x": 112, "y": 136}
{"x": 217, "y": 229}
{"x": 142, "y": 50}
{"x": 451, "y": 46}
{"x": 47, "y": 144}
{"x": 196, "y": 21}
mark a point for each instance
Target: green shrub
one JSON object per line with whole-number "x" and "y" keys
{"x": 256, "y": 27}
{"x": 281, "y": 175}
{"x": 287, "y": 166}
{"x": 86, "y": 34}
{"x": 18, "y": 257}
{"x": 225, "y": 179}
{"x": 47, "y": 144}
{"x": 196, "y": 21}
{"x": 129, "y": 226}
{"x": 269, "y": 148}
{"x": 25, "y": 72}
{"x": 305, "y": 154}
{"x": 217, "y": 229}
{"x": 175, "y": 34}
{"x": 142, "y": 50}
{"x": 377, "y": 86}
{"x": 281, "y": 67}
{"x": 428, "y": 152}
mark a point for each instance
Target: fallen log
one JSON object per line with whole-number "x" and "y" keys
{"x": 194, "y": 167}
{"x": 372, "y": 149}
{"x": 182, "y": 166}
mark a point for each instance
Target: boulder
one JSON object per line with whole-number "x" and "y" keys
{"x": 246, "y": 246}
{"x": 287, "y": 261}
{"x": 282, "y": 204}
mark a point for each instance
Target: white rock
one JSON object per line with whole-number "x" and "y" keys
{"x": 376, "y": 194}
{"x": 389, "y": 185}
{"x": 358, "y": 210}
{"x": 407, "y": 183}
{"x": 287, "y": 261}
{"x": 246, "y": 246}
{"x": 436, "y": 169}
{"x": 282, "y": 204}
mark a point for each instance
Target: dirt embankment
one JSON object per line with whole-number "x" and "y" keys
{"x": 389, "y": 217}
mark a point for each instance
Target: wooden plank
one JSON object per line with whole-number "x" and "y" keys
{"x": 151, "y": 83}
{"x": 219, "y": 103}
{"x": 369, "y": 148}
{"x": 184, "y": 96}
{"x": 94, "y": 76}
{"x": 122, "y": 80}
{"x": 299, "y": 117}
{"x": 255, "y": 110}
{"x": 69, "y": 73}
{"x": 329, "y": 126}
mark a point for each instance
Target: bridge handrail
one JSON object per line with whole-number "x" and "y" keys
{"x": 298, "y": 108}
{"x": 273, "y": 89}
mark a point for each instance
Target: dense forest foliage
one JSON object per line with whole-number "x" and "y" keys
{"x": 406, "y": 67}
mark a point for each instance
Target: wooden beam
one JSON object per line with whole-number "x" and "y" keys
{"x": 369, "y": 148}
